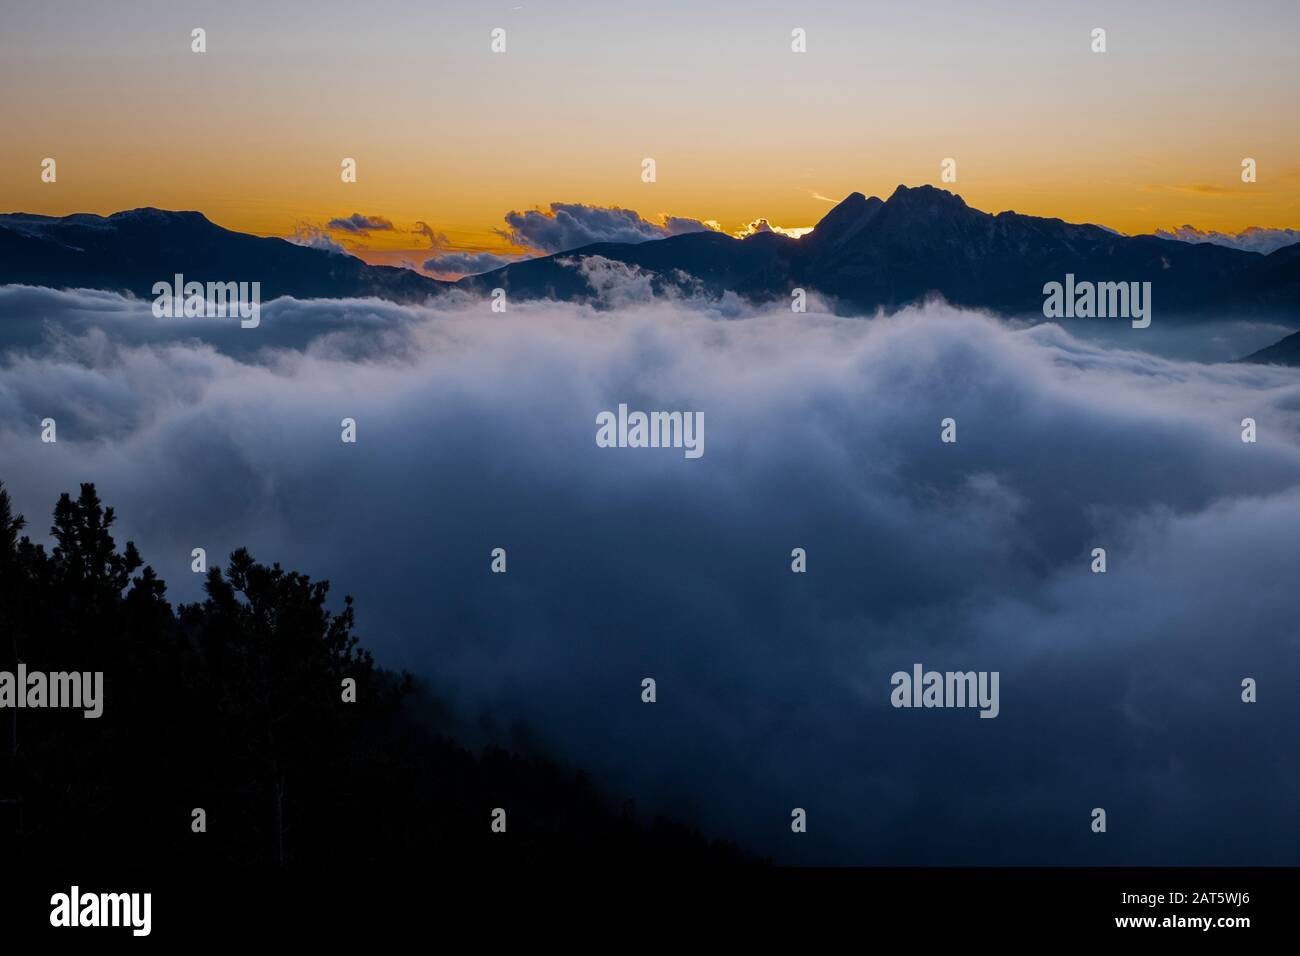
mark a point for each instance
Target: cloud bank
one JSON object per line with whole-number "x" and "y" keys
{"x": 476, "y": 431}
{"x": 456, "y": 264}
{"x": 762, "y": 225}
{"x": 570, "y": 225}
{"x": 360, "y": 224}
{"x": 316, "y": 238}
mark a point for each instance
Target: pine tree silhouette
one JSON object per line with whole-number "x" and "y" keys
{"x": 235, "y": 704}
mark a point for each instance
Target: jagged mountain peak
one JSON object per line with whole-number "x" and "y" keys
{"x": 926, "y": 194}
{"x": 849, "y": 217}
{"x": 865, "y": 254}
{"x": 152, "y": 214}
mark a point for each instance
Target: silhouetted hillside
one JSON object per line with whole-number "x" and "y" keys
{"x": 1285, "y": 352}
{"x": 236, "y": 705}
{"x": 130, "y": 251}
{"x": 866, "y": 254}
{"x": 869, "y": 255}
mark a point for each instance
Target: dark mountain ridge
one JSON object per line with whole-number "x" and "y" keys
{"x": 869, "y": 254}
{"x": 865, "y": 255}
{"x": 130, "y": 251}
{"x": 1285, "y": 352}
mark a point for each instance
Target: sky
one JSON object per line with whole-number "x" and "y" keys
{"x": 1148, "y": 135}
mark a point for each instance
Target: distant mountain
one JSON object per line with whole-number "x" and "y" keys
{"x": 868, "y": 254}
{"x": 865, "y": 255}
{"x": 130, "y": 251}
{"x": 1286, "y": 352}
{"x": 1252, "y": 238}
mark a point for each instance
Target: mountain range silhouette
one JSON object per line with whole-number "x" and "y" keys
{"x": 865, "y": 255}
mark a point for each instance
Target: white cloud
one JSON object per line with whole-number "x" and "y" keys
{"x": 571, "y": 225}
{"x": 476, "y": 430}
{"x": 456, "y": 264}
{"x": 762, "y": 225}
{"x": 316, "y": 238}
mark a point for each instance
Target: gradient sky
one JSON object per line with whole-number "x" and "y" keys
{"x": 1150, "y": 134}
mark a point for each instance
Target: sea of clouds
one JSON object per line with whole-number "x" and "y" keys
{"x": 476, "y": 431}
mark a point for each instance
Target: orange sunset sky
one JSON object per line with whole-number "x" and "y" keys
{"x": 1149, "y": 134}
